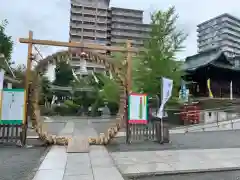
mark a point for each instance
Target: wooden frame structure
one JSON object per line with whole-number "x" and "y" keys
{"x": 30, "y": 41}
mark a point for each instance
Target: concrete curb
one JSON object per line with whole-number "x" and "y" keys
{"x": 137, "y": 175}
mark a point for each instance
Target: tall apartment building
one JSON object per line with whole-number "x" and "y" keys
{"x": 92, "y": 21}
{"x": 127, "y": 24}
{"x": 88, "y": 23}
{"x": 221, "y": 32}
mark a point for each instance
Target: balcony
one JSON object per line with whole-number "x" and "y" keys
{"x": 101, "y": 35}
{"x": 131, "y": 27}
{"x": 126, "y": 20}
{"x": 128, "y": 13}
{"x": 102, "y": 13}
{"x": 90, "y": 34}
{"x": 102, "y": 28}
{"x": 75, "y": 34}
{"x": 123, "y": 41}
{"x": 90, "y": 4}
{"x": 102, "y": 20}
{"x": 127, "y": 34}
{"x": 87, "y": 19}
{"x": 89, "y": 12}
{"x": 75, "y": 18}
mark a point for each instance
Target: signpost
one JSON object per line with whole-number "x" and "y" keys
{"x": 12, "y": 106}
{"x": 138, "y": 108}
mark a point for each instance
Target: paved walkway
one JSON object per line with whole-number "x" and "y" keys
{"x": 178, "y": 161}
{"x": 96, "y": 165}
{"x": 20, "y": 163}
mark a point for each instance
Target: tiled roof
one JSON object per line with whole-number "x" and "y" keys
{"x": 205, "y": 58}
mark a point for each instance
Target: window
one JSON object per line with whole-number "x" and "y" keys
{"x": 236, "y": 63}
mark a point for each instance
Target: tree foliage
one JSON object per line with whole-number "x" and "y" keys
{"x": 63, "y": 74}
{"x": 19, "y": 71}
{"x": 46, "y": 92}
{"x": 6, "y": 43}
{"x": 110, "y": 90}
{"x": 159, "y": 59}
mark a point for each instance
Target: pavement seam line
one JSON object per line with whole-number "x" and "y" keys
{"x": 65, "y": 165}
{"x": 91, "y": 165}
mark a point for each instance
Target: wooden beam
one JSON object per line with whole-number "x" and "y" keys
{"x": 78, "y": 45}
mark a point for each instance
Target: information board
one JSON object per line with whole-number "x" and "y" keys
{"x": 138, "y": 108}
{"x": 12, "y": 106}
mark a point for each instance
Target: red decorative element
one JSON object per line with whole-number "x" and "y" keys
{"x": 190, "y": 114}
{"x": 132, "y": 121}
{"x": 137, "y": 94}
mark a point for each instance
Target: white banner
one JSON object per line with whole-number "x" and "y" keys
{"x": 1, "y": 79}
{"x": 167, "y": 85}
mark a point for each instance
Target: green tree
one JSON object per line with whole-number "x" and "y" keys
{"x": 6, "y": 43}
{"x": 46, "y": 93}
{"x": 63, "y": 74}
{"x": 159, "y": 58}
{"x": 19, "y": 71}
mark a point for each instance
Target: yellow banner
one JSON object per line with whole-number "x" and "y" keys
{"x": 209, "y": 88}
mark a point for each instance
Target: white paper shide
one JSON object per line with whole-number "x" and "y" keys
{"x": 1, "y": 79}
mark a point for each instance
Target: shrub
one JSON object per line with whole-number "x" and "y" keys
{"x": 47, "y": 111}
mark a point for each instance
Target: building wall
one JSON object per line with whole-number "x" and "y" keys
{"x": 88, "y": 21}
{"x": 127, "y": 24}
{"x": 221, "y": 32}
{"x": 92, "y": 21}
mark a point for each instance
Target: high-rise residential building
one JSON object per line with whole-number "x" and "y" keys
{"x": 127, "y": 24}
{"x": 92, "y": 21}
{"x": 88, "y": 23}
{"x": 221, "y": 32}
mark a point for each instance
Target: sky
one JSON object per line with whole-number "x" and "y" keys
{"x": 49, "y": 19}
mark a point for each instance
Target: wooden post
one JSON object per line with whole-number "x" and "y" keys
{"x": 129, "y": 67}
{"x": 128, "y": 88}
{"x": 28, "y": 74}
{"x": 27, "y": 78}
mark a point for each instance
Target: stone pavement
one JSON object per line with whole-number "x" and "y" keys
{"x": 20, "y": 163}
{"x": 222, "y": 175}
{"x": 96, "y": 165}
{"x": 192, "y": 152}
{"x": 174, "y": 162}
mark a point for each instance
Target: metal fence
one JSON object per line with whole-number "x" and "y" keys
{"x": 11, "y": 134}
{"x": 142, "y": 132}
{"x": 210, "y": 119}
{"x": 229, "y": 122}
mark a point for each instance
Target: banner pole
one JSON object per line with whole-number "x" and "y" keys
{"x": 161, "y": 120}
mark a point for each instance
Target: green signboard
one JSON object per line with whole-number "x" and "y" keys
{"x": 12, "y": 106}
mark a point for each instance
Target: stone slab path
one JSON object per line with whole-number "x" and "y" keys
{"x": 95, "y": 165}
{"x": 177, "y": 161}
